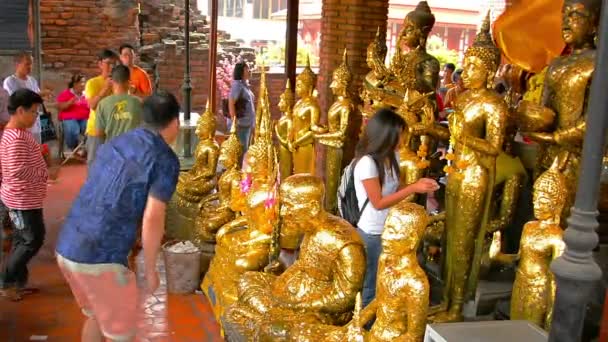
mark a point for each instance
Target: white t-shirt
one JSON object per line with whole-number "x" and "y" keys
{"x": 14, "y": 83}
{"x": 372, "y": 220}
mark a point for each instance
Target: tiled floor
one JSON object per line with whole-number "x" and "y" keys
{"x": 53, "y": 313}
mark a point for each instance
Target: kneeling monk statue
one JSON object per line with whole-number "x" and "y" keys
{"x": 322, "y": 285}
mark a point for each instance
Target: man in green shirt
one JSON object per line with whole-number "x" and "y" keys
{"x": 120, "y": 112}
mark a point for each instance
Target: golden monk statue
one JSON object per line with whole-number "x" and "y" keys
{"x": 321, "y": 286}
{"x": 284, "y": 132}
{"x": 243, "y": 243}
{"x": 337, "y": 121}
{"x": 201, "y": 179}
{"x": 560, "y": 125}
{"x": 477, "y": 129}
{"x": 402, "y": 295}
{"x": 215, "y": 210}
{"x": 305, "y": 122}
{"x": 541, "y": 242}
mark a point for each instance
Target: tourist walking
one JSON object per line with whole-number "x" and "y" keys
{"x": 128, "y": 186}
{"x": 23, "y": 189}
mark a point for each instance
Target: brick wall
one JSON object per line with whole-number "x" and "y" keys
{"x": 349, "y": 24}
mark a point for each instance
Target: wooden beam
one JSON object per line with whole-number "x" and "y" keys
{"x": 213, "y": 57}
{"x": 291, "y": 41}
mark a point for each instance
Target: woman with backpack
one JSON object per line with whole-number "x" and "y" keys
{"x": 376, "y": 182}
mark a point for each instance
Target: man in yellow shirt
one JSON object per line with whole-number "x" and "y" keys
{"x": 140, "y": 84}
{"x": 95, "y": 90}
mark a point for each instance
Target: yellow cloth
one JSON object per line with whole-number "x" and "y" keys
{"x": 507, "y": 166}
{"x": 92, "y": 88}
{"x": 529, "y": 33}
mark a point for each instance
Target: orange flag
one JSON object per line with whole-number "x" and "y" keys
{"x": 529, "y": 33}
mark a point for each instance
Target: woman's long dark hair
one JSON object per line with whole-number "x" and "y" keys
{"x": 380, "y": 139}
{"x": 239, "y": 71}
{"x": 75, "y": 79}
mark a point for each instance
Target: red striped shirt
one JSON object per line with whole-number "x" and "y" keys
{"x": 24, "y": 172}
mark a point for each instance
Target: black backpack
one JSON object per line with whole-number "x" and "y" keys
{"x": 348, "y": 205}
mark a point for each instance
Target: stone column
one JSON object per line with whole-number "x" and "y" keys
{"x": 576, "y": 271}
{"x": 349, "y": 24}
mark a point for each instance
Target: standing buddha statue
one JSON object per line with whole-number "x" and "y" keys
{"x": 215, "y": 210}
{"x": 338, "y": 117}
{"x": 565, "y": 92}
{"x": 284, "y": 132}
{"x": 305, "y": 122}
{"x": 477, "y": 128}
{"x": 201, "y": 179}
{"x": 541, "y": 242}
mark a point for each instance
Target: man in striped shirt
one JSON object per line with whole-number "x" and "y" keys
{"x": 24, "y": 177}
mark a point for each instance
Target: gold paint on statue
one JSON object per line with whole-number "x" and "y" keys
{"x": 215, "y": 209}
{"x": 565, "y": 93}
{"x": 541, "y": 242}
{"x": 321, "y": 286}
{"x": 477, "y": 129}
{"x": 305, "y": 120}
{"x": 201, "y": 179}
{"x": 284, "y": 132}
{"x": 338, "y": 117}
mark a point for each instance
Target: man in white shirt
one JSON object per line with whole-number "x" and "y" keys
{"x": 22, "y": 79}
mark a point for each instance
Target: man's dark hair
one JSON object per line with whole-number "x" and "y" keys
{"x": 18, "y": 58}
{"x": 23, "y": 98}
{"x": 106, "y": 54}
{"x": 121, "y": 74}
{"x": 239, "y": 71}
{"x": 456, "y": 75}
{"x": 125, "y": 46}
{"x": 159, "y": 109}
{"x": 450, "y": 66}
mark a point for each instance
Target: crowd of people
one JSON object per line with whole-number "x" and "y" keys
{"x": 132, "y": 174}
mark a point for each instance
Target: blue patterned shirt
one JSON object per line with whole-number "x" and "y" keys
{"x": 103, "y": 222}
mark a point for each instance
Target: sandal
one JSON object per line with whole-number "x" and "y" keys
{"x": 11, "y": 294}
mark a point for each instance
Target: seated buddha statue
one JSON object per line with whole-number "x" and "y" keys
{"x": 321, "y": 285}
{"x": 541, "y": 242}
{"x": 193, "y": 185}
{"x": 559, "y": 124}
{"x": 402, "y": 295}
{"x": 215, "y": 209}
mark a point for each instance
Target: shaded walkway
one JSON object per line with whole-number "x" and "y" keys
{"x": 53, "y": 312}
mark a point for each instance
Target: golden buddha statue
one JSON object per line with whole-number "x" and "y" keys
{"x": 284, "y": 132}
{"x": 565, "y": 92}
{"x": 201, "y": 179}
{"x": 477, "y": 128}
{"x": 338, "y": 117}
{"x": 305, "y": 122}
{"x": 215, "y": 209}
{"x": 541, "y": 242}
{"x": 402, "y": 295}
{"x": 376, "y": 55}
{"x": 243, "y": 244}
{"x": 321, "y": 286}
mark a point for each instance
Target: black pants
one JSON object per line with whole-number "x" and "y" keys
{"x": 28, "y": 237}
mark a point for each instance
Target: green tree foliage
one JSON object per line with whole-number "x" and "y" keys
{"x": 275, "y": 55}
{"x": 435, "y": 47}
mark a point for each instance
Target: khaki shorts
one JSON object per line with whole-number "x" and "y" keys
{"x": 106, "y": 292}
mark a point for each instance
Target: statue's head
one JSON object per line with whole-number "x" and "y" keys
{"x": 306, "y": 80}
{"x": 550, "y": 192}
{"x": 205, "y": 127}
{"x": 404, "y": 228}
{"x": 376, "y": 50}
{"x": 341, "y": 78}
{"x": 286, "y": 100}
{"x": 302, "y": 197}
{"x": 417, "y": 25}
{"x": 481, "y": 60}
{"x": 231, "y": 149}
{"x": 580, "y": 22}
{"x": 258, "y": 159}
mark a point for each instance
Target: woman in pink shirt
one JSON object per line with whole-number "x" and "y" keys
{"x": 73, "y": 110}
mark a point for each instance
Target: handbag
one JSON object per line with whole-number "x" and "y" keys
{"x": 48, "y": 131}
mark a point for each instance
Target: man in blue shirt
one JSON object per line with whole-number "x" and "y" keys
{"x": 129, "y": 183}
